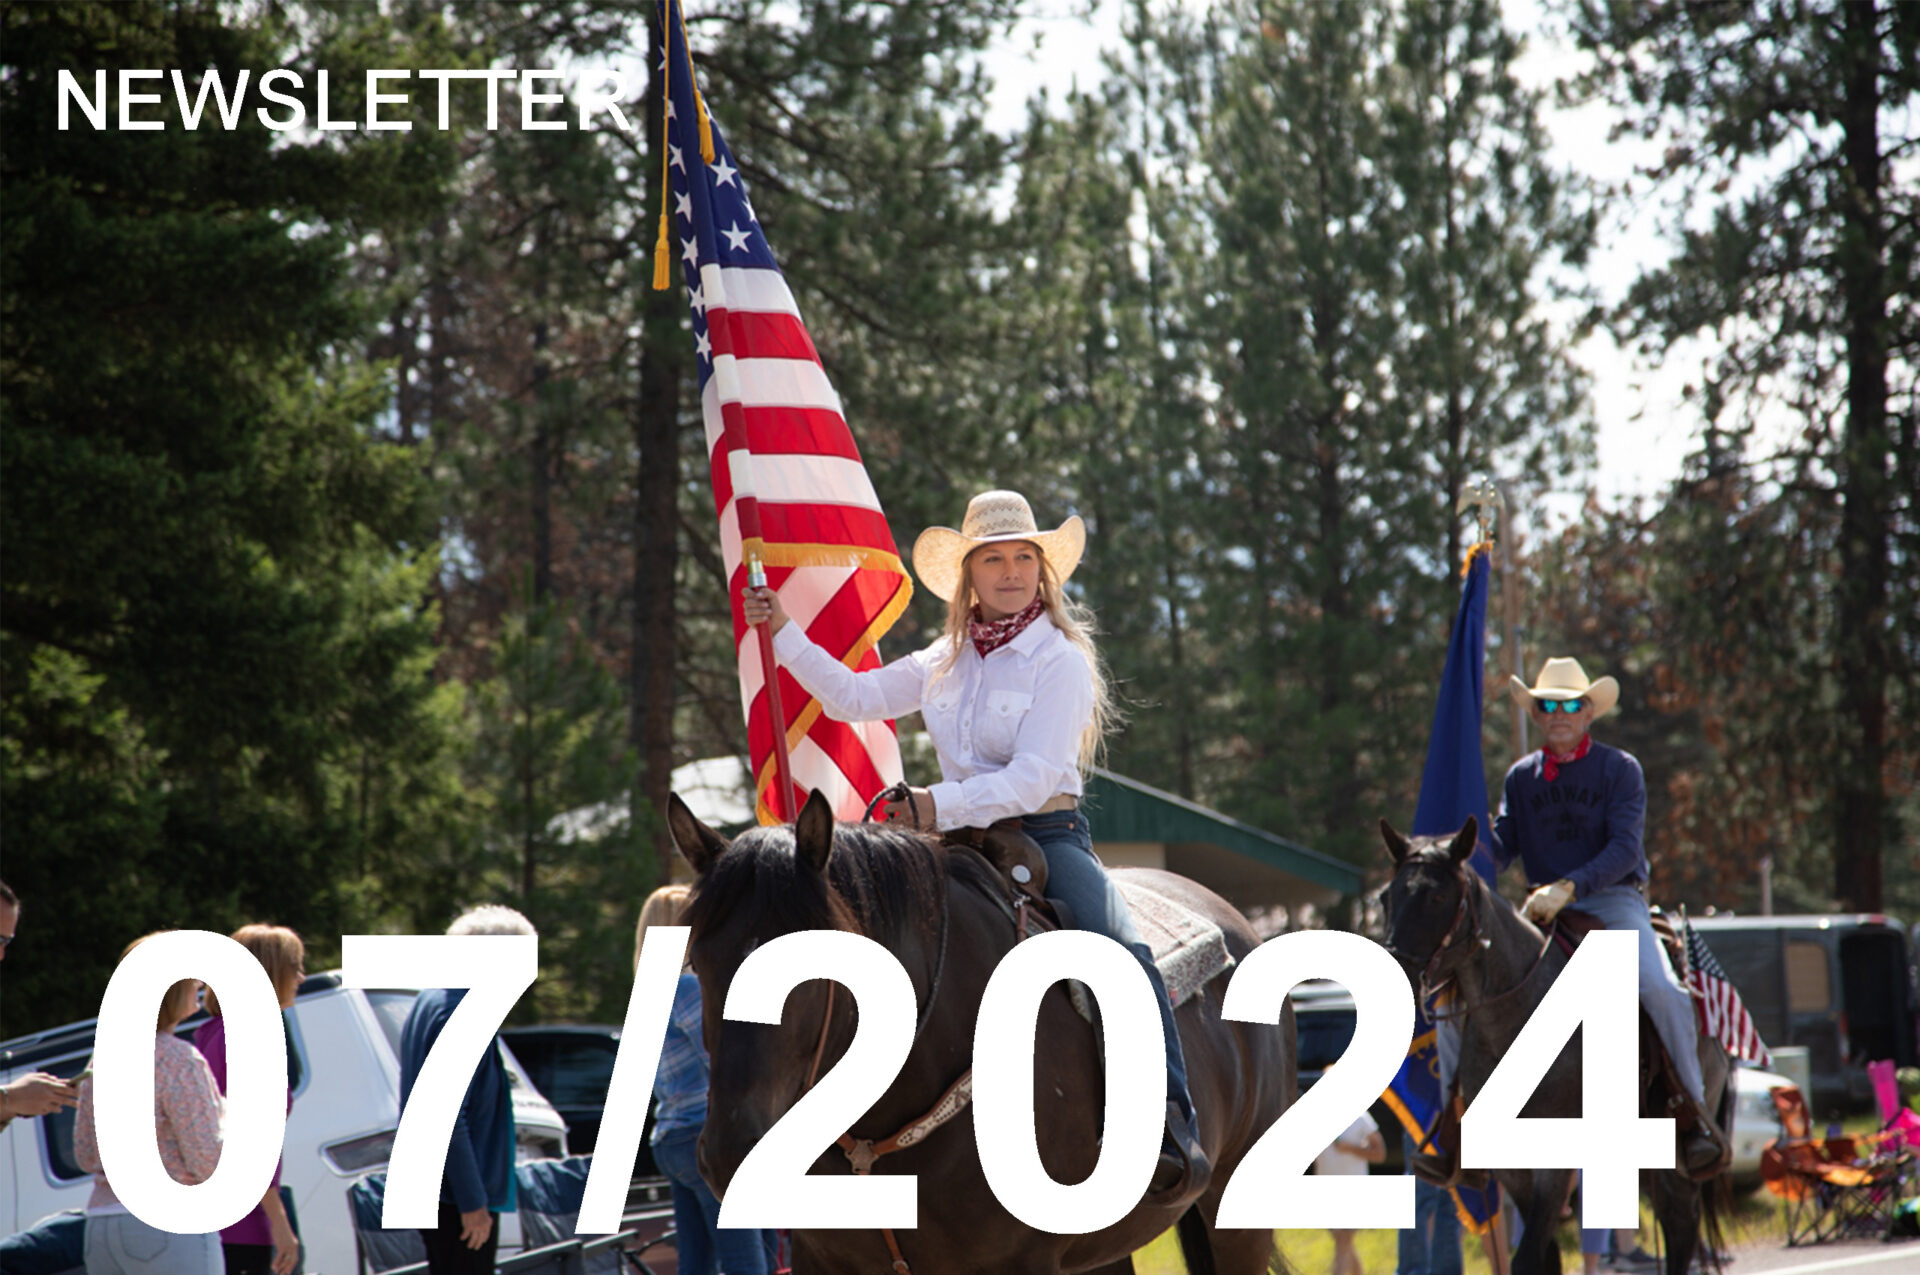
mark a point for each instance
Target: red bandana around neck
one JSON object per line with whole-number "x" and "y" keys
{"x": 1554, "y": 761}
{"x": 990, "y": 635}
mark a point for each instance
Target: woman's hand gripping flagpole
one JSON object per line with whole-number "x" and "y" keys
{"x": 783, "y": 766}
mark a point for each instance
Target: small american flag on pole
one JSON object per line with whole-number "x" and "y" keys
{"x": 788, "y": 481}
{"x": 1723, "y": 1015}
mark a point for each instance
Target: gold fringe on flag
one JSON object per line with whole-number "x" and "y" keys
{"x": 663, "y": 245}
{"x": 699, "y": 102}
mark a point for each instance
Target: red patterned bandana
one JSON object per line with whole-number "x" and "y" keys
{"x": 990, "y": 635}
{"x": 1554, "y": 761}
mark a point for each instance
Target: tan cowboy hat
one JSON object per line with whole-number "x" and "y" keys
{"x": 1562, "y": 678}
{"x": 993, "y": 516}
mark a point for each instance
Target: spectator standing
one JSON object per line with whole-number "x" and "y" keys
{"x": 1351, "y": 1153}
{"x": 679, "y": 1113}
{"x": 37, "y": 1094}
{"x": 186, "y": 1112}
{"x": 262, "y": 1242}
{"x": 1431, "y": 1246}
{"x": 478, "y": 1184}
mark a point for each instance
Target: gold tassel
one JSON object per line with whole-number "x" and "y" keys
{"x": 699, "y": 100}
{"x": 706, "y": 126}
{"x": 663, "y": 257}
{"x": 663, "y": 246}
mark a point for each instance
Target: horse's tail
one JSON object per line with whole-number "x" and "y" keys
{"x": 1196, "y": 1245}
{"x": 1716, "y": 1194}
{"x": 1716, "y": 1206}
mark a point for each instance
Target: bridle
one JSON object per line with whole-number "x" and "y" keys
{"x": 1466, "y": 921}
{"x": 862, "y": 1152}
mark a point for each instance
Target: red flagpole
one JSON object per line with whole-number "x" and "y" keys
{"x": 783, "y": 765}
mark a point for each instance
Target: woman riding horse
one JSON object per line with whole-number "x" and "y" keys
{"x": 1015, "y": 700}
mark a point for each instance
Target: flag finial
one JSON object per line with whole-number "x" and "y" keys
{"x": 1487, "y": 505}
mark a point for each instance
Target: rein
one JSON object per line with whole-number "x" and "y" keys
{"x": 1469, "y": 909}
{"x": 899, "y": 792}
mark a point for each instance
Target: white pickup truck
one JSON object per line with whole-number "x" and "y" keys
{"x": 344, "y": 1058}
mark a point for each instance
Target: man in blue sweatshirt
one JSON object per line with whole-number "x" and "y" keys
{"x": 1574, "y": 813}
{"x": 478, "y": 1185}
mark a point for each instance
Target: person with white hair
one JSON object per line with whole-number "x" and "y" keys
{"x": 477, "y": 1186}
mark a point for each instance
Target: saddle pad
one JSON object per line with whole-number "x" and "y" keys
{"x": 1188, "y": 948}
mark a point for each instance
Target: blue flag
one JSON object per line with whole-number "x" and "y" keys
{"x": 1453, "y": 786}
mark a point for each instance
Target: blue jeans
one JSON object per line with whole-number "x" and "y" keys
{"x": 1431, "y": 1246}
{"x": 1622, "y": 907}
{"x": 121, "y": 1244}
{"x": 1076, "y": 878}
{"x": 702, "y": 1246}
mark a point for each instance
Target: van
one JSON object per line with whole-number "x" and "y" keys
{"x": 343, "y": 1063}
{"x": 1841, "y": 986}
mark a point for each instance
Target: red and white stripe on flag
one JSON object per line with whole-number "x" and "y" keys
{"x": 788, "y": 480}
{"x": 780, "y": 448}
{"x": 1723, "y": 1015}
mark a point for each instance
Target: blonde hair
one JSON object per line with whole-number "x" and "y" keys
{"x": 279, "y": 951}
{"x": 181, "y": 999}
{"x": 1075, "y": 622}
{"x": 663, "y": 907}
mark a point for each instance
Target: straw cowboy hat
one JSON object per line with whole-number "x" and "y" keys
{"x": 1562, "y": 678}
{"x": 993, "y": 516}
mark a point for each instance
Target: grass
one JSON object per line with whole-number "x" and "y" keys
{"x": 1758, "y": 1220}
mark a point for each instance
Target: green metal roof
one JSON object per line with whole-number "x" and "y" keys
{"x": 1126, "y": 810}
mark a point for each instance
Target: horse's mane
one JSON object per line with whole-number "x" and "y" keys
{"x": 887, "y": 884}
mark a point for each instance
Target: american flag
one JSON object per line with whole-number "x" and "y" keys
{"x": 788, "y": 480}
{"x": 1723, "y": 1015}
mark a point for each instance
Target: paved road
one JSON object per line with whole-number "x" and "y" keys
{"x": 1858, "y": 1257}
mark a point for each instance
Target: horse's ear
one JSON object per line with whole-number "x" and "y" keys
{"x": 1397, "y": 845}
{"x": 698, "y": 844}
{"x": 813, "y": 833}
{"x": 1465, "y": 840}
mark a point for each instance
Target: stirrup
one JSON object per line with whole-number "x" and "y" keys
{"x": 1441, "y": 1167}
{"x": 1702, "y": 1151}
{"x": 1183, "y": 1171}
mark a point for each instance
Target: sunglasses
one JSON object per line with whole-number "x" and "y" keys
{"x": 1559, "y": 705}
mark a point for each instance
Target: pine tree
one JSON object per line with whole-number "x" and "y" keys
{"x": 213, "y": 633}
{"x": 1795, "y": 247}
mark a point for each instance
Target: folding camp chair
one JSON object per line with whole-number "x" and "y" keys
{"x": 1838, "y": 1186}
{"x": 378, "y": 1249}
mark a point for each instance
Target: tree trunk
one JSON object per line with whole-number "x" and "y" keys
{"x": 540, "y": 461}
{"x": 656, "y": 429}
{"x": 1860, "y": 803}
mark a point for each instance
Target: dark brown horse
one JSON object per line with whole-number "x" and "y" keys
{"x": 1445, "y": 925}
{"x": 943, "y": 914}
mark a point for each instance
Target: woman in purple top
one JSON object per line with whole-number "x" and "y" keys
{"x": 262, "y": 1242}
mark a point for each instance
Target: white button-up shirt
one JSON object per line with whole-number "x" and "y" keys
{"x": 1007, "y": 728}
